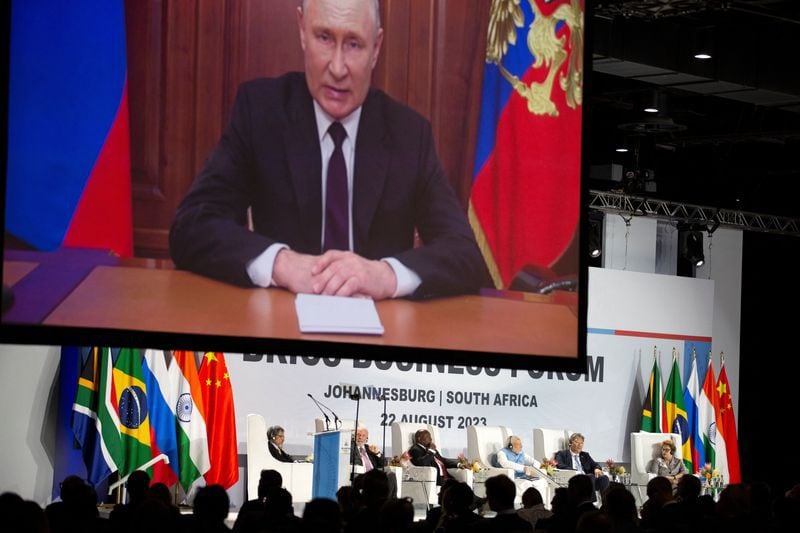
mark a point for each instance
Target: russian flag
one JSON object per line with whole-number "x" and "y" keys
{"x": 163, "y": 434}
{"x": 68, "y": 173}
{"x": 690, "y": 396}
{"x": 524, "y": 204}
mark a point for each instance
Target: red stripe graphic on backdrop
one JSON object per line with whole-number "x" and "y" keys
{"x": 650, "y": 334}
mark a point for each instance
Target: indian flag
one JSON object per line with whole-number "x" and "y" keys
{"x": 713, "y": 444}
{"x": 190, "y": 414}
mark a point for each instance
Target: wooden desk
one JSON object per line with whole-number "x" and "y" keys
{"x": 13, "y": 271}
{"x": 177, "y": 301}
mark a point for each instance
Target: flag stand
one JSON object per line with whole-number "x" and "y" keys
{"x": 121, "y": 482}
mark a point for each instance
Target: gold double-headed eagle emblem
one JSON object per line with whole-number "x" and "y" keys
{"x": 548, "y": 49}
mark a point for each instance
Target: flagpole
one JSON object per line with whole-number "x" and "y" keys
{"x": 148, "y": 464}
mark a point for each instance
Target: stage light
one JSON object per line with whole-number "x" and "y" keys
{"x": 595, "y": 234}
{"x": 653, "y": 103}
{"x": 703, "y": 42}
{"x": 692, "y": 247}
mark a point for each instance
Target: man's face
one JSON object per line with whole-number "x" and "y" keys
{"x": 576, "y": 445}
{"x": 516, "y": 445}
{"x": 361, "y": 436}
{"x": 424, "y": 438}
{"x": 340, "y": 43}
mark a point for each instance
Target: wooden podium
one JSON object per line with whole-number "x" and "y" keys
{"x": 331, "y": 462}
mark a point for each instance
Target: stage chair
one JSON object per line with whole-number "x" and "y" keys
{"x": 419, "y": 482}
{"x": 546, "y": 442}
{"x": 483, "y": 444}
{"x": 645, "y": 448}
{"x": 297, "y": 477}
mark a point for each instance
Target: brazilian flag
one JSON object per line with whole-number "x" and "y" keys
{"x": 129, "y": 399}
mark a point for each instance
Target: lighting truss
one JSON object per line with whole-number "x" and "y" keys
{"x": 625, "y": 205}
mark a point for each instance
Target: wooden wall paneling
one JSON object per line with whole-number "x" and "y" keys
{"x": 144, "y": 25}
{"x": 267, "y": 39}
{"x": 391, "y": 72}
{"x": 210, "y": 80}
{"x": 475, "y": 76}
{"x": 459, "y": 55}
{"x": 180, "y": 95}
{"x": 421, "y": 56}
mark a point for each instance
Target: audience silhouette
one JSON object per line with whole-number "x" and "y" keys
{"x": 368, "y": 505}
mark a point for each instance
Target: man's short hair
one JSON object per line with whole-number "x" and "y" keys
{"x": 375, "y": 11}
{"x": 531, "y": 497}
{"x": 273, "y": 432}
{"x": 575, "y": 436}
{"x": 500, "y": 491}
{"x": 580, "y": 488}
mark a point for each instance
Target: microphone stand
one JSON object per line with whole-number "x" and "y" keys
{"x": 384, "y": 428}
{"x": 327, "y": 418}
{"x": 337, "y": 424}
{"x": 357, "y": 397}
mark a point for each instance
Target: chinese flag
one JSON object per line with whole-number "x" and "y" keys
{"x": 215, "y": 383}
{"x": 728, "y": 426}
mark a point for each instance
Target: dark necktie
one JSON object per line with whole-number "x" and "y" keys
{"x": 336, "y": 209}
{"x": 440, "y": 464}
{"x": 365, "y": 460}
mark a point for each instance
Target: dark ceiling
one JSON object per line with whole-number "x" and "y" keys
{"x": 728, "y": 131}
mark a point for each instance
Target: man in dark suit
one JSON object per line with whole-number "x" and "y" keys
{"x": 574, "y": 458}
{"x": 370, "y": 457}
{"x": 424, "y": 453}
{"x": 287, "y": 139}
{"x": 364, "y": 454}
{"x": 275, "y": 438}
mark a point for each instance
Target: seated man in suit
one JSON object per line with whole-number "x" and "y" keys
{"x": 336, "y": 180}
{"x": 574, "y": 458}
{"x": 275, "y": 437}
{"x": 424, "y": 453}
{"x": 370, "y": 457}
{"x": 363, "y": 454}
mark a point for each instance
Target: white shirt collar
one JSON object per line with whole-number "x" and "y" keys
{"x": 324, "y": 120}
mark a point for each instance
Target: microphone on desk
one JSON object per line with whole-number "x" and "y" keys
{"x": 319, "y": 406}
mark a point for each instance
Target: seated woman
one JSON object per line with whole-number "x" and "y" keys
{"x": 275, "y": 437}
{"x": 668, "y": 465}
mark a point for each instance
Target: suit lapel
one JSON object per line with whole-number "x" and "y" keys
{"x": 304, "y": 157}
{"x": 371, "y": 168}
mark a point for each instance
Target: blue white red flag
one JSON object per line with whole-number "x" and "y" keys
{"x": 524, "y": 204}
{"x": 162, "y": 416}
{"x": 68, "y": 175}
{"x": 690, "y": 397}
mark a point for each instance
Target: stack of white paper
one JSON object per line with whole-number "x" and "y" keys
{"x": 337, "y": 314}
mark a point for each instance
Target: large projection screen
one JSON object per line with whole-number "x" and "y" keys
{"x": 113, "y": 108}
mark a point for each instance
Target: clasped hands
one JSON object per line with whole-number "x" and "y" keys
{"x": 334, "y": 273}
